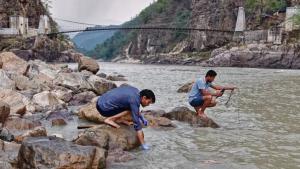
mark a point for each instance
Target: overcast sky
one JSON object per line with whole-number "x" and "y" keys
{"x": 103, "y": 12}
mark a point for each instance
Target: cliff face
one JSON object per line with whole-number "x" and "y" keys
{"x": 134, "y": 44}
{"x": 216, "y": 15}
{"x": 154, "y": 45}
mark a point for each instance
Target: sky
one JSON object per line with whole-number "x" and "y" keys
{"x": 100, "y": 12}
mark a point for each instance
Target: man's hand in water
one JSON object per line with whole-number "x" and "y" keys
{"x": 145, "y": 147}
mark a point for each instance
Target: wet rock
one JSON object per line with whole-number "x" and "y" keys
{"x": 184, "y": 114}
{"x": 102, "y": 75}
{"x": 36, "y": 132}
{"x": 100, "y": 85}
{"x": 46, "y": 99}
{"x": 5, "y": 81}
{"x": 116, "y": 78}
{"x": 88, "y": 64}
{"x": 53, "y": 152}
{"x": 6, "y": 135}
{"x": 90, "y": 113}
{"x": 155, "y": 113}
{"x": 158, "y": 121}
{"x": 104, "y": 136}
{"x": 13, "y": 63}
{"x": 59, "y": 117}
{"x": 58, "y": 122}
{"x": 82, "y": 98}
{"x": 8, "y": 154}
{"x": 16, "y": 101}
{"x": 185, "y": 88}
{"x": 4, "y": 112}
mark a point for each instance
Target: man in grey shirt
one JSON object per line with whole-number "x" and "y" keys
{"x": 201, "y": 98}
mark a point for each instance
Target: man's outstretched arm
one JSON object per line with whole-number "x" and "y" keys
{"x": 216, "y": 87}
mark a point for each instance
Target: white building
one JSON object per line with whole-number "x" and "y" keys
{"x": 18, "y": 26}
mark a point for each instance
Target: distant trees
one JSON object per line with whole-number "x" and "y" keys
{"x": 265, "y": 6}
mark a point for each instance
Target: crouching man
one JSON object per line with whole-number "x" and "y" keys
{"x": 122, "y": 101}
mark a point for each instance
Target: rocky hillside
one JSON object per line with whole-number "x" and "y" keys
{"x": 163, "y": 13}
{"x": 43, "y": 48}
{"x": 169, "y": 47}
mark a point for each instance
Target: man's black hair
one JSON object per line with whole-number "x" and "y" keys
{"x": 149, "y": 94}
{"x": 211, "y": 73}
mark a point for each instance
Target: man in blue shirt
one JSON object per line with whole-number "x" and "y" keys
{"x": 122, "y": 101}
{"x": 201, "y": 98}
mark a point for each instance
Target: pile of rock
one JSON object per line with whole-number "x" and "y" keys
{"x": 34, "y": 90}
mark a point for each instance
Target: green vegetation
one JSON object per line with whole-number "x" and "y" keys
{"x": 181, "y": 21}
{"x": 297, "y": 19}
{"x": 163, "y": 13}
{"x": 265, "y": 6}
{"x": 155, "y": 8}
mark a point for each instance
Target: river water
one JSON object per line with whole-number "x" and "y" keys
{"x": 259, "y": 128}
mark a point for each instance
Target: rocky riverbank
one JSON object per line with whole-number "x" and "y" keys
{"x": 250, "y": 55}
{"x": 34, "y": 93}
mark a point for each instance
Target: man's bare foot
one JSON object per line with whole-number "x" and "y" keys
{"x": 202, "y": 115}
{"x": 111, "y": 123}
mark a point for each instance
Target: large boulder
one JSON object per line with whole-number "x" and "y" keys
{"x": 8, "y": 154}
{"x": 5, "y": 81}
{"x": 16, "y": 101}
{"x": 158, "y": 121}
{"x": 90, "y": 113}
{"x": 116, "y": 78}
{"x": 53, "y": 152}
{"x": 4, "y": 112}
{"x": 88, "y": 64}
{"x": 13, "y": 63}
{"x": 184, "y": 114}
{"x": 46, "y": 99}
{"x": 100, "y": 85}
{"x": 107, "y": 137}
{"x": 23, "y": 83}
{"x": 41, "y": 68}
{"x": 16, "y": 124}
{"x": 82, "y": 98}
{"x": 74, "y": 81}
{"x": 185, "y": 88}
